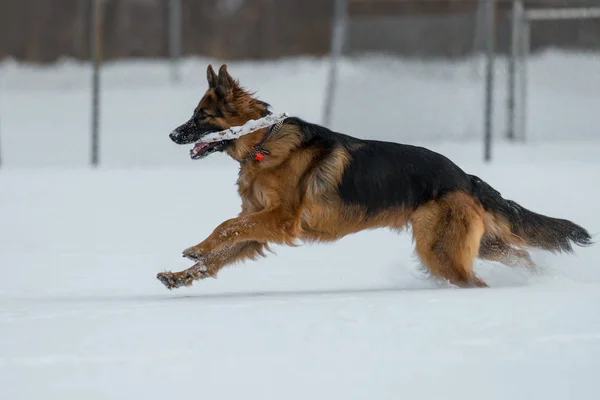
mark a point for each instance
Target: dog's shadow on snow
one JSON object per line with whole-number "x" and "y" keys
{"x": 293, "y": 293}
{"x": 497, "y": 278}
{"x": 245, "y": 295}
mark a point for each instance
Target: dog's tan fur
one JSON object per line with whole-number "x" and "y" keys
{"x": 292, "y": 195}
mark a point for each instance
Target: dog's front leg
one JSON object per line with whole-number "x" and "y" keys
{"x": 275, "y": 226}
{"x": 237, "y": 239}
{"x": 212, "y": 263}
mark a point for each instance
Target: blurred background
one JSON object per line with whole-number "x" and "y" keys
{"x": 408, "y": 70}
{"x": 44, "y": 31}
{"x": 95, "y": 199}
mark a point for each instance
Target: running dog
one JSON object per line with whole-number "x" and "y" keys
{"x": 302, "y": 181}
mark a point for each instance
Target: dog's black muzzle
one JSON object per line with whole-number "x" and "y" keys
{"x": 191, "y": 132}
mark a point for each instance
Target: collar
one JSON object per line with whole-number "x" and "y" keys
{"x": 258, "y": 152}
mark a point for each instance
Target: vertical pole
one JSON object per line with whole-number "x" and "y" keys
{"x": 0, "y": 140}
{"x": 174, "y": 38}
{"x": 489, "y": 77}
{"x": 0, "y": 143}
{"x": 515, "y": 24}
{"x": 526, "y": 37}
{"x": 338, "y": 36}
{"x": 479, "y": 16}
{"x": 96, "y": 59}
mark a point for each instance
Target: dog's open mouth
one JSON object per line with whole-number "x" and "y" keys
{"x": 201, "y": 150}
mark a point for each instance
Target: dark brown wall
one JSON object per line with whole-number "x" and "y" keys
{"x": 44, "y": 30}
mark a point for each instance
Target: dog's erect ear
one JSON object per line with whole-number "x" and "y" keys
{"x": 211, "y": 77}
{"x": 224, "y": 81}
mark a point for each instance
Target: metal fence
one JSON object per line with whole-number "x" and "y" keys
{"x": 487, "y": 23}
{"x": 261, "y": 29}
{"x": 45, "y": 30}
{"x": 521, "y": 20}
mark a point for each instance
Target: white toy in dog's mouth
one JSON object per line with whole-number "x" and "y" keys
{"x": 214, "y": 141}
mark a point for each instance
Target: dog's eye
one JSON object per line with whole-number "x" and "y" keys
{"x": 200, "y": 115}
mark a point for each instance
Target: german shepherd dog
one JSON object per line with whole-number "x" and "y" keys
{"x": 301, "y": 181}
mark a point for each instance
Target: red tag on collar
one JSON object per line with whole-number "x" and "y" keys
{"x": 259, "y": 157}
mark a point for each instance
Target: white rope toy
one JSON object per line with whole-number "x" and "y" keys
{"x": 238, "y": 131}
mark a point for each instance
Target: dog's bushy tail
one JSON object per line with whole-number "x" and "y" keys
{"x": 525, "y": 227}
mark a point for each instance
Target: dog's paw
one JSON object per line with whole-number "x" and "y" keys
{"x": 175, "y": 280}
{"x": 166, "y": 278}
{"x": 194, "y": 254}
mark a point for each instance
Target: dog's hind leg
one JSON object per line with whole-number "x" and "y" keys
{"x": 494, "y": 249}
{"x": 447, "y": 233}
{"x": 212, "y": 263}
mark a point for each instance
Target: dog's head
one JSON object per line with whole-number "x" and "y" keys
{"x": 225, "y": 104}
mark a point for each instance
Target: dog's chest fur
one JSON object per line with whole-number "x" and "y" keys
{"x": 258, "y": 189}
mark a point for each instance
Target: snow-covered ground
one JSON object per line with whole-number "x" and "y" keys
{"x": 82, "y": 315}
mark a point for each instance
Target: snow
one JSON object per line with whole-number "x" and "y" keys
{"x": 82, "y": 315}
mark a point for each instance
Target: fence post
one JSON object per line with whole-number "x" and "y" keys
{"x": 174, "y": 38}
{"x": 0, "y": 141}
{"x": 526, "y": 48}
{"x": 477, "y": 47}
{"x": 515, "y": 24}
{"x": 338, "y": 36}
{"x": 96, "y": 60}
{"x": 489, "y": 77}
